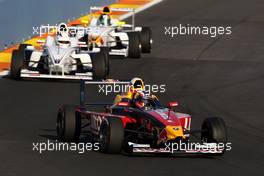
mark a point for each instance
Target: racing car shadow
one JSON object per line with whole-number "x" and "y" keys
{"x": 120, "y": 58}
{"x": 86, "y": 139}
{"x": 53, "y": 136}
{"x": 189, "y": 156}
{"x": 44, "y": 80}
{"x": 117, "y": 58}
{"x": 49, "y": 136}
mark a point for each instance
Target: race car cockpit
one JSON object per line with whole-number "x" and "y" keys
{"x": 136, "y": 97}
{"x": 146, "y": 102}
{"x": 104, "y": 20}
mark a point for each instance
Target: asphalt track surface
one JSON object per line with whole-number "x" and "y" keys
{"x": 208, "y": 76}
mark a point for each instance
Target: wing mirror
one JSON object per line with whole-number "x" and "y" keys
{"x": 172, "y": 104}
{"x": 123, "y": 104}
{"x": 41, "y": 42}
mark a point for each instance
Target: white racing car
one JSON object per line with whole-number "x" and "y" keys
{"x": 61, "y": 57}
{"x": 122, "y": 39}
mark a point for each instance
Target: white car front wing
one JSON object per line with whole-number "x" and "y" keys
{"x": 119, "y": 52}
{"x": 35, "y": 74}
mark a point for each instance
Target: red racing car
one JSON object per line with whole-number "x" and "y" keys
{"x": 152, "y": 128}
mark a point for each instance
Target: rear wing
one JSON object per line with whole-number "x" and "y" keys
{"x": 83, "y": 83}
{"x": 130, "y": 11}
{"x": 97, "y": 8}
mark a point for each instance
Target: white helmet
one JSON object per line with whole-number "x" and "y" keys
{"x": 63, "y": 39}
{"x": 137, "y": 85}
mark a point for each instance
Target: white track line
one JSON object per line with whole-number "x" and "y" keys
{"x": 144, "y": 7}
{"x": 4, "y": 73}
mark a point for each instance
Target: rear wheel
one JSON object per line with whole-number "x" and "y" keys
{"x": 22, "y": 47}
{"x": 111, "y": 135}
{"x": 99, "y": 64}
{"x": 68, "y": 124}
{"x": 134, "y": 46}
{"x": 146, "y": 39}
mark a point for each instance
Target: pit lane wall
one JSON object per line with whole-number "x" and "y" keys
{"x": 138, "y": 5}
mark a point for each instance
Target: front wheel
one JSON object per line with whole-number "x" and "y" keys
{"x": 214, "y": 131}
{"x": 99, "y": 62}
{"x": 17, "y": 63}
{"x": 111, "y": 135}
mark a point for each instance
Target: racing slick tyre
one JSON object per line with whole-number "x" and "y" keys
{"x": 134, "y": 46}
{"x": 105, "y": 50}
{"x": 27, "y": 53}
{"x": 22, "y": 47}
{"x": 214, "y": 131}
{"x": 111, "y": 135}
{"x": 99, "y": 65}
{"x": 17, "y": 63}
{"x": 68, "y": 124}
{"x": 146, "y": 39}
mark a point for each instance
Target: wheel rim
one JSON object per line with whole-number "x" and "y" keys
{"x": 151, "y": 41}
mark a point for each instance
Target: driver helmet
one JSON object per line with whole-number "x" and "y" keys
{"x": 137, "y": 85}
{"x": 105, "y": 19}
{"x": 62, "y": 37}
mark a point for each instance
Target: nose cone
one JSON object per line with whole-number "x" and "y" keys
{"x": 173, "y": 132}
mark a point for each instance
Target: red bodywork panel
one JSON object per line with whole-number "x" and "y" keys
{"x": 127, "y": 120}
{"x": 161, "y": 115}
{"x": 174, "y": 119}
{"x": 124, "y": 119}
